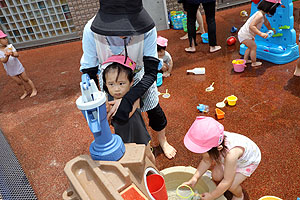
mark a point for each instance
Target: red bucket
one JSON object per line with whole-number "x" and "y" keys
{"x": 157, "y": 187}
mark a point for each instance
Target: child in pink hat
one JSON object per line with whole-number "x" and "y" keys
{"x": 164, "y": 56}
{"x": 233, "y": 157}
{"x": 252, "y": 28}
{"x": 13, "y": 67}
{"x": 117, "y": 76}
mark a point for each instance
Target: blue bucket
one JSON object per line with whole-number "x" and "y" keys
{"x": 159, "y": 79}
{"x": 204, "y": 37}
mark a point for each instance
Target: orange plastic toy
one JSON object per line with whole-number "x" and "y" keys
{"x": 220, "y": 114}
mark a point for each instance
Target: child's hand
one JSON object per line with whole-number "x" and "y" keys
{"x": 114, "y": 107}
{"x": 192, "y": 182}
{"x": 264, "y": 35}
{"x": 206, "y": 196}
{"x": 8, "y": 53}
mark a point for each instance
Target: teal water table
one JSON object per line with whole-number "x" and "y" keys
{"x": 281, "y": 48}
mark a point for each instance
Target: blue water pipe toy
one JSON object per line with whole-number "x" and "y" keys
{"x": 281, "y": 47}
{"x": 106, "y": 146}
{"x": 203, "y": 108}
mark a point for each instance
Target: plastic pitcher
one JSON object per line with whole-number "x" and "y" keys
{"x": 157, "y": 187}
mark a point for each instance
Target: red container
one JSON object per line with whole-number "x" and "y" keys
{"x": 231, "y": 40}
{"x": 157, "y": 187}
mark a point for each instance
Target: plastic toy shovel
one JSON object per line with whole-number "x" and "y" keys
{"x": 210, "y": 88}
{"x": 221, "y": 104}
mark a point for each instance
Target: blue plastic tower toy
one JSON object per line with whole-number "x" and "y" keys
{"x": 281, "y": 48}
{"x": 106, "y": 146}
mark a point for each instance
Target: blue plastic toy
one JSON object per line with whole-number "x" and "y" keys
{"x": 106, "y": 146}
{"x": 281, "y": 48}
{"x": 203, "y": 108}
{"x": 159, "y": 79}
{"x": 270, "y": 33}
{"x": 233, "y": 29}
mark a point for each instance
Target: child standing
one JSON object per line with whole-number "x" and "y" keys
{"x": 234, "y": 157}
{"x": 167, "y": 64}
{"x": 13, "y": 67}
{"x": 118, "y": 78}
{"x": 252, "y": 28}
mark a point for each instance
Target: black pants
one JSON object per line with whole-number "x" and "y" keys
{"x": 210, "y": 11}
{"x": 157, "y": 118}
{"x": 191, "y": 16}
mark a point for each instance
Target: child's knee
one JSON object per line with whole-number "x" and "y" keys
{"x": 217, "y": 173}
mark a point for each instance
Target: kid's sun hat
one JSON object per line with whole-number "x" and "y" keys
{"x": 161, "y": 41}
{"x": 274, "y": 1}
{"x": 122, "y": 18}
{"x": 123, "y": 60}
{"x": 2, "y": 35}
{"x": 204, "y": 134}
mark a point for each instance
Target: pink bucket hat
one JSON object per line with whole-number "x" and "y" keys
{"x": 161, "y": 41}
{"x": 274, "y": 1}
{"x": 125, "y": 61}
{"x": 2, "y": 35}
{"x": 204, "y": 134}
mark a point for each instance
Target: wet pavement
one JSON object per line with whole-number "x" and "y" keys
{"x": 48, "y": 130}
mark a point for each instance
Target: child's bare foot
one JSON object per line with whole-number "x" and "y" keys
{"x": 297, "y": 71}
{"x": 256, "y": 64}
{"x": 24, "y": 95}
{"x": 214, "y": 48}
{"x": 184, "y": 37}
{"x": 190, "y": 50}
{"x": 33, "y": 93}
{"x": 166, "y": 74}
{"x": 169, "y": 151}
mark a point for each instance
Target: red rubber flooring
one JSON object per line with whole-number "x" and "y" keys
{"x": 48, "y": 130}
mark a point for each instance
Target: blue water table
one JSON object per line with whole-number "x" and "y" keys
{"x": 106, "y": 146}
{"x": 281, "y": 47}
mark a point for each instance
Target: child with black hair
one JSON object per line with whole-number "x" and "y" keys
{"x": 164, "y": 56}
{"x": 118, "y": 78}
{"x": 252, "y": 28}
{"x": 232, "y": 157}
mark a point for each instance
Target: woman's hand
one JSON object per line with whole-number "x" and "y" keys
{"x": 114, "y": 105}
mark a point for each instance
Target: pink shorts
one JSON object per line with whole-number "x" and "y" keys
{"x": 248, "y": 170}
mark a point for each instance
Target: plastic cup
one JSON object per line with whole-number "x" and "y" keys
{"x": 156, "y": 186}
{"x": 231, "y": 100}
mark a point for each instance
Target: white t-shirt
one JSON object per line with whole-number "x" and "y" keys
{"x": 13, "y": 66}
{"x": 167, "y": 58}
{"x": 245, "y": 32}
{"x": 252, "y": 154}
